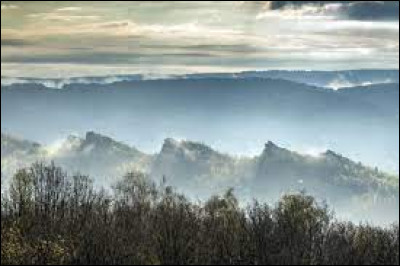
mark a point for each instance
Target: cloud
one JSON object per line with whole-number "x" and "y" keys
{"x": 69, "y": 9}
{"x": 353, "y": 10}
{"x": 248, "y": 34}
{"x": 276, "y": 5}
{"x": 306, "y": 11}
{"x": 60, "y": 17}
{"x": 128, "y": 42}
{"x": 124, "y": 29}
{"x": 186, "y": 30}
{"x": 8, "y": 7}
{"x": 64, "y": 14}
{"x": 113, "y": 57}
{"x": 372, "y": 10}
{"x": 14, "y": 42}
{"x": 51, "y": 71}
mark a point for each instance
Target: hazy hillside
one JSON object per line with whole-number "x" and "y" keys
{"x": 17, "y": 153}
{"x": 332, "y": 79}
{"x": 95, "y": 155}
{"x": 252, "y": 110}
{"x": 384, "y": 95}
{"x": 201, "y": 171}
{"x": 242, "y": 113}
{"x": 200, "y": 132}
{"x": 12, "y": 145}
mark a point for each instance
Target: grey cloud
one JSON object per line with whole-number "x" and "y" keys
{"x": 109, "y": 58}
{"x": 15, "y": 42}
{"x": 228, "y": 49}
{"x": 357, "y": 10}
{"x": 275, "y": 5}
{"x": 123, "y": 51}
{"x": 293, "y": 60}
{"x": 373, "y": 10}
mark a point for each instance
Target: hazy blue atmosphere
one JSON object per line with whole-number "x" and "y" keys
{"x": 200, "y": 133}
{"x": 267, "y": 97}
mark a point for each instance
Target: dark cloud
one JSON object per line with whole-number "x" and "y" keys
{"x": 275, "y": 5}
{"x": 373, "y": 10}
{"x": 14, "y": 42}
{"x": 357, "y": 10}
{"x": 227, "y": 49}
{"x": 143, "y": 53}
{"x": 108, "y": 58}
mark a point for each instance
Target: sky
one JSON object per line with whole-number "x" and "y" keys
{"x": 65, "y": 39}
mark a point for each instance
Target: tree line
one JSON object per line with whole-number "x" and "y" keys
{"x": 50, "y": 217}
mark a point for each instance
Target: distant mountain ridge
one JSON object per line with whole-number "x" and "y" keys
{"x": 95, "y": 144}
{"x": 235, "y": 114}
{"x": 10, "y": 144}
{"x": 196, "y": 166}
{"x": 197, "y": 109}
{"x": 326, "y": 79}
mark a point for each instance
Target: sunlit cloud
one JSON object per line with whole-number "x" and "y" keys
{"x": 239, "y": 35}
{"x": 61, "y": 17}
{"x": 8, "y": 7}
{"x": 69, "y": 9}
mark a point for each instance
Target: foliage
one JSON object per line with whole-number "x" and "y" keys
{"x": 48, "y": 217}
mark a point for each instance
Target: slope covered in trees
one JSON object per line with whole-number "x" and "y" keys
{"x": 49, "y": 217}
